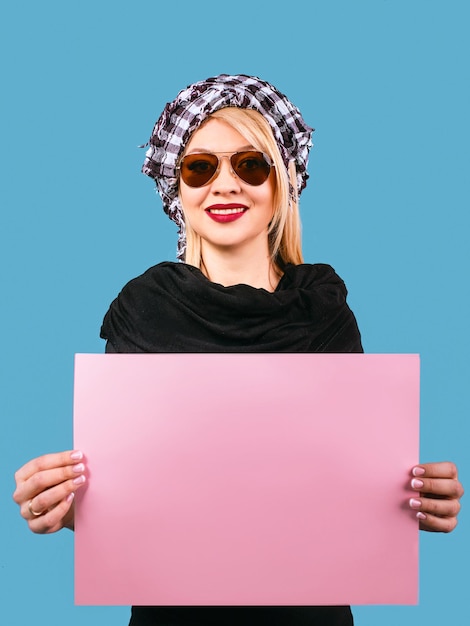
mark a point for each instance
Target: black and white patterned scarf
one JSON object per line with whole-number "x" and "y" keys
{"x": 193, "y": 105}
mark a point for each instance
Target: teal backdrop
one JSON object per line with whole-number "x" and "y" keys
{"x": 385, "y": 84}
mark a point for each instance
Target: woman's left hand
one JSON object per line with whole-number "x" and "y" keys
{"x": 437, "y": 499}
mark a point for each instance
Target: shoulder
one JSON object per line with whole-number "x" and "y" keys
{"x": 322, "y": 292}
{"x": 317, "y": 276}
{"x": 311, "y": 271}
{"x": 163, "y": 273}
{"x": 144, "y": 300}
{"x": 165, "y": 280}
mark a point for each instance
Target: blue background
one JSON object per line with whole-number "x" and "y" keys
{"x": 386, "y": 85}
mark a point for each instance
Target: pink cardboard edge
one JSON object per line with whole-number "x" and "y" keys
{"x": 202, "y": 469}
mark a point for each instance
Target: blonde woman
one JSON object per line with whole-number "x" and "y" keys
{"x": 229, "y": 158}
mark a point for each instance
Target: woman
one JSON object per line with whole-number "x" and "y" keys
{"x": 229, "y": 158}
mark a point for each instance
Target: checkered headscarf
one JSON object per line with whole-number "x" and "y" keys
{"x": 193, "y": 105}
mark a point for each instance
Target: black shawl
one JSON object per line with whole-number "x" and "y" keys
{"x": 173, "y": 307}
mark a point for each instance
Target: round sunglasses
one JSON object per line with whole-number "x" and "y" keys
{"x": 199, "y": 169}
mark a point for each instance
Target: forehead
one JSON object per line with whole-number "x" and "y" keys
{"x": 217, "y": 136}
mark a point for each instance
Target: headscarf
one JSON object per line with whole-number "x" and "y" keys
{"x": 198, "y": 101}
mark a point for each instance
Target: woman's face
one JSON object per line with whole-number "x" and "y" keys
{"x": 227, "y": 213}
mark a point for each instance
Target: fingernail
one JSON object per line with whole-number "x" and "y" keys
{"x": 416, "y": 483}
{"x": 70, "y": 497}
{"x": 415, "y": 504}
{"x": 79, "y": 480}
{"x": 420, "y": 515}
{"x": 78, "y": 468}
{"x": 418, "y": 471}
{"x": 76, "y": 455}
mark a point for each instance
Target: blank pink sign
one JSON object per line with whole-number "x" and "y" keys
{"x": 246, "y": 479}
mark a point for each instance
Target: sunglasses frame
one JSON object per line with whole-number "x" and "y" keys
{"x": 229, "y": 156}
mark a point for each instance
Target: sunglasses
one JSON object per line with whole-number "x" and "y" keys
{"x": 200, "y": 169}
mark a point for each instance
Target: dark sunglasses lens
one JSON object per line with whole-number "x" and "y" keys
{"x": 198, "y": 169}
{"x": 251, "y": 167}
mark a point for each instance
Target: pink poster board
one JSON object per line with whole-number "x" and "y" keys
{"x": 246, "y": 479}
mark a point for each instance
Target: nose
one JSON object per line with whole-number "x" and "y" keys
{"x": 226, "y": 180}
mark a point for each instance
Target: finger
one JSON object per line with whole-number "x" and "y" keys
{"x": 52, "y": 520}
{"x": 49, "y": 478}
{"x": 27, "y": 488}
{"x": 436, "y": 524}
{"x": 443, "y": 487}
{"x": 436, "y": 507}
{"x": 42, "y": 484}
{"x": 444, "y": 469}
{"x": 49, "y": 500}
{"x": 46, "y": 462}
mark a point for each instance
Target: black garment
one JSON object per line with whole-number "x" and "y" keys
{"x": 242, "y": 616}
{"x": 173, "y": 307}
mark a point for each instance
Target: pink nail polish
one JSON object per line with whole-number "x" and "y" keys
{"x": 78, "y": 468}
{"x": 77, "y": 455}
{"x": 418, "y": 471}
{"x": 79, "y": 480}
{"x": 420, "y": 515}
{"x": 414, "y": 503}
{"x": 70, "y": 497}
{"x": 416, "y": 483}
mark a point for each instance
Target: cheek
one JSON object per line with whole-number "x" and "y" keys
{"x": 191, "y": 198}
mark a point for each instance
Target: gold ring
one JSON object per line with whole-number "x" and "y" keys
{"x": 30, "y": 509}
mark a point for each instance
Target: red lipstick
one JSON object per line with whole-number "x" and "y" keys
{"x": 224, "y": 213}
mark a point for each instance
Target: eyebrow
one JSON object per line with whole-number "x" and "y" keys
{"x": 205, "y": 150}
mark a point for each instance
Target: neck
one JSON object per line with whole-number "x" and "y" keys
{"x": 254, "y": 268}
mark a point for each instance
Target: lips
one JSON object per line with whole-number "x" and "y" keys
{"x": 223, "y": 213}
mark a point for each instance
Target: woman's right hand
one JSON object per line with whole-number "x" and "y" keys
{"x": 45, "y": 489}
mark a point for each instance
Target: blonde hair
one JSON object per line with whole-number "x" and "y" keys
{"x": 284, "y": 233}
